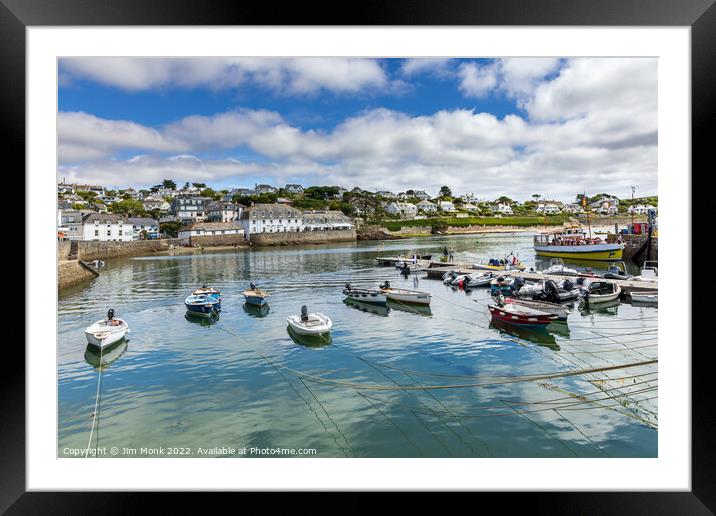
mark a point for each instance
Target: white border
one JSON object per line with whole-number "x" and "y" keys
{"x": 670, "y": 471}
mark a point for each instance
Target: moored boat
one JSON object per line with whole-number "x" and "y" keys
{"x": 255, "y": 296}
{"x": 202, "y": 305}
{"x": 593, "y": 292}
{"x": 509, "y": 263}
{"x": 571, "y": 242}
{"x": 650, "y": 297}
{"x": 402, "y": 295}
{"x": 309, "y": 324}
{"x": 649, "y": 272}
{"x": 207, "y": 291}
{"x": 106, "y": 332}
{"x": 617, "y": 270}
{"x": 561, "y": 311}
{"x": 365, "y": 295}
{"x": 557, "y": 267}
{"x": 520, "y": 315}
{"x": 478, "y": 280}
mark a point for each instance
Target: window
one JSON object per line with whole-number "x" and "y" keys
{"x": 109, "y": 232}
{"x": 96, "y": 232}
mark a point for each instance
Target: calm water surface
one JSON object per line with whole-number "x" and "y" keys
{"x": 241, "y": 381}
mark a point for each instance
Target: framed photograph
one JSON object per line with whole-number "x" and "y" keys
{"x": 420, "y": 252}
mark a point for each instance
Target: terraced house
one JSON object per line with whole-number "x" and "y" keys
{"x": 270, "y": 218}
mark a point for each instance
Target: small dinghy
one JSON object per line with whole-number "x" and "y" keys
{"x": 405, "y": 296}
{"x": 309, "y": 324}
{"x": 478, "y": 280}
{"x": 561, "y": 311}
{"x": 501, "y": 285}
{"x": 365, "y": 295}
{"x": 520, "y": 315}
{"x": 645, "y": 298}
{"x": 255, "y": 296}
{"x": 649, "y": 272}
{"x": 202, "y": 305}
{"x": 617, "y": 270}
{"x": 593, "y": 292}
{"x": 207, "y": 291}
{"x": 106, "y": 332}
{"x": 509, "y": 263}
{"x": 557, "y": 267}
{"x": 561, "y": 292}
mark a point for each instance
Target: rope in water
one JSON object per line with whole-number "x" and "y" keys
{"x": 96, "y": 401}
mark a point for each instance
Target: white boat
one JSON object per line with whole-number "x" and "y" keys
{"x": 106, "y": 332}
{"x": 402, "y": 295}
{"x": 593, "y": 292}
{"x": 649, "y": 272}
{"x": 365, "y": 295}
{"x": 479, "y": 280}
{"x": 561, "y": 311}
{"x": 309, "y": 324}
{"x": 647, "y": 298}
{"x": 557, "y": 267}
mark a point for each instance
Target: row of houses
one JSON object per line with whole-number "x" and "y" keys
{"x": 105, "y": 227}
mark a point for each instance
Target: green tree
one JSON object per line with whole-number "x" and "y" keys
{"x": 168, "y": 183}
{"x": 127, "y": 208}
{"x": 445, "y": 191}
{"x": 199, "y": 185}
{"x": 170, "y": 228}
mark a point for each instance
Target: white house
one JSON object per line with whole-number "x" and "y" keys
{"x": 548, "y": 208}
{"x": 144, "y": 228}
{"x": 326, "y": 220}
{"x": 190, "y": 207}
{"x": 386, "y": 194}
{"x": 573, "y": 208}
{"x": 106, "y": 227}
{"x": 427, "y": 206}
{"x": 296, "y": 189}
{"x": 261, "y": 189}
{"x": 469, "y": 198}
{"x": 154, "y": 203}
{"x": 447, "y": 206}
{"x": 420, "y": 194}
{"x": 222, "y": 211}
{"x": 404, "y": 209}
{"x": 270, "y": 218}
{"x": 503, "y": 209}
{"x": 469, "y": 206}
{"x": 641, "y": 209}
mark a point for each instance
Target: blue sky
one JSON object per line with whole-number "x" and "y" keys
{"x": 485, "y": 126}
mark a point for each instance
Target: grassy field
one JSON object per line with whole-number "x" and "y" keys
{"x": 552, "y": 220}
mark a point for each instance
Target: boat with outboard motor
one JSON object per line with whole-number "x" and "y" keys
{"x": 519, "y": 315}
{"x": 650, "y": 297}
{"x": 255, "y": 296}
{"x": 309, "y": 324}
{"x": 202, "y": 305}
{"x": 106, "y": 332}
{"x": 508, "y": 263}
{"x": 561, "y": 311}
{"x": 617, "y": 270}
{"x": 649, "y": 272}
{"x": 402, "y": 295}
{"x": 365, "y": 295}
{"x": 593, "y": 292}
{"x": 557, "y": 267}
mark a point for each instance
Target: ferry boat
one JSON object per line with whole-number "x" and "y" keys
{"x": 573, "y": 243}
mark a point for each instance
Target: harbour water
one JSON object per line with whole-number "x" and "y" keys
{"x": 395, "y": 382}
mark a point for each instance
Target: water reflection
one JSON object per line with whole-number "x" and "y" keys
{"x": 537, "y": 335}
{"x": 255, "y": 310}
{"x": 413, "y": 309}
{"x": 102, "y": 359}
{"x": 610, "y": 308}
{"x": 371, "y": 308}
{"x": 310, "y": 341}
{"x": 202, "y": 320}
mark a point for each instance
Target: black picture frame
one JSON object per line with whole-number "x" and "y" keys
{"x": 700, "y": 15}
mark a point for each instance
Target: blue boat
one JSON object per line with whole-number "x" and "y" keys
{"x": 209, "y": 291}
{"x": 202, "y": 305}
{"x": 255, "y": 296}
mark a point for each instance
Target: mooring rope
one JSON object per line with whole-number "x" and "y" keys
{"x": 96, "y": 401}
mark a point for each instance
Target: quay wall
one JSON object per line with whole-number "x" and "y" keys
{"x": 632, "y": 243}
{"x": 71, "y": 273}
{"x": 303, "y": 237}
{"x": 218, "y": 240}
{"x": 89, "y": 250}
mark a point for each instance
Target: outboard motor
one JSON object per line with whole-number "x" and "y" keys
{"x": 252, "y": 286}
{"x": 580, "y": 280}
{"x": 304, "y": 313}
{"x": 386, "y": 284}
{"x": 348, "y": 286}
{"x": 567, "y": 285}
{"x": 110, "y": 314}
{"x": 550, "y": 290}
{"x": 518, "y": 284}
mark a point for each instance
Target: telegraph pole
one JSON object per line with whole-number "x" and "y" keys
{"x": 632, "y": 207}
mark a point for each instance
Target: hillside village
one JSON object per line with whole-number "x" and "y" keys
{"x": 94, "y": 212}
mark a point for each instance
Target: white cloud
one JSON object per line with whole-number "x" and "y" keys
{"x": 477, "y": 80}
{"x": 590, "y": 127}
{"x": 436, "y": 65}
{"x": 283, "y": 75}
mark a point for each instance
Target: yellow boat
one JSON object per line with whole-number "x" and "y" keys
{"x": 572, "y": 243}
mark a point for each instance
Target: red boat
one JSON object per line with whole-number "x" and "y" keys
{"x": 521, "y": 315}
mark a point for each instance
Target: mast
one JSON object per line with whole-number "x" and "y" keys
{"x": 589, "y": 224}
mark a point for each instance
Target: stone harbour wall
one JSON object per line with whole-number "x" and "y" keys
{"x": 303, "y": 237}
{"x": 89, "y": 250}
{"x": 71, "y": 273}
{"x": 218, "y": 240}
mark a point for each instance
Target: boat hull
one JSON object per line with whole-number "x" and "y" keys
{"x": 206, "y": 310}
{"x": 560, "y": 311}
{"x": 596, "y": 252}
{"x": 104, "y": 339}
{"x": 377, "y": 298}
{"x": 255, "y": 300}
{"x": 294, "y": 323}
{"x": 506, "y": 316}
{"x": 409, "y": 298}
